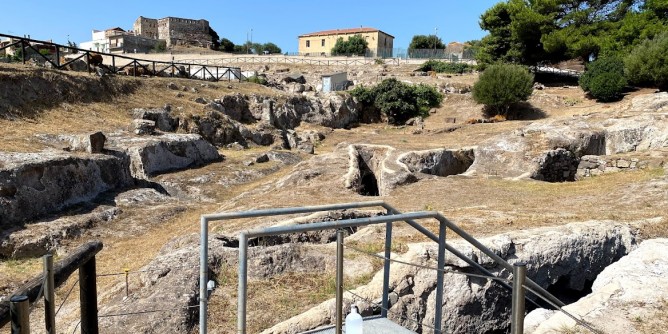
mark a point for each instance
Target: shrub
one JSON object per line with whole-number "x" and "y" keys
{"x": 257, "y": 79}
{"x": 427, "y": 97}
{"x": 398, "y": 101}
{"x": 647, "y": 64}
{"x": 365, "y": 96}
{"x": 501, "y": 86}
{"x": 445, "y": 67}
{"x": 604, "y": 79}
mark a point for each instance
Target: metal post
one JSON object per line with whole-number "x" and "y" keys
{"x": 134, "y": 65}
{"x": 88, "y": 61}
{"x": 439, "y": 278}
{"x": 189, "y": 75}
{"x": 49, "y": 297}
{"x": 339, "y": 281}
{"x": 19, "y": 309}
{"x": 386, "y": 269}
{"x": 243, "y": 272}
{"x": 113, "y": 64}
{"x": 88, "y": 298}
{"x": 519, "y": 277}
{"x": 203, "y": 273}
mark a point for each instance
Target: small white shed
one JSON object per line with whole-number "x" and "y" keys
{"x": 335, "y": 81}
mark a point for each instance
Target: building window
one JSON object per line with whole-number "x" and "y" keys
{"x": 322, "y": 42}
{"x": 308, "y": 44}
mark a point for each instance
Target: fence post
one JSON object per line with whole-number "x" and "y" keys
{"x": 19, "y": 309}
{"x": 23, "y": 51}
{"x": 386, "y": 269}
{"x": 203, "y": 273}
{"x": 57, "y": 57}
{"x": 439, "y": 278}
{"x": 517, "y": 320}
{"x": 339, "y": 281}
{"x": 134, "y": 65}
{"x": 243, "y": 276}
{"x": 49, "y": 298}
{"x": 88, "y": 297}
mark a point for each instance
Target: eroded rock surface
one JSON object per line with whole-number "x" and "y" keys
{"x": 34, "y": 184}
{"x": 573, "y": 254}
{"x": 159, "y": 154}
{"x": 552, "y": 150}
{"x": 614, "y": 306}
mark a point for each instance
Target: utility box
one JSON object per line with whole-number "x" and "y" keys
{"x": 335, "y": 81}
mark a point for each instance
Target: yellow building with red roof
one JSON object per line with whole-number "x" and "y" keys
{"x": 321, "y": 43}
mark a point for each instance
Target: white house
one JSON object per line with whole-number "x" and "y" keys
{"x": 100, "y": 42}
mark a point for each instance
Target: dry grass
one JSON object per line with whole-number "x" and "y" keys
{"x": 655, "y": 323}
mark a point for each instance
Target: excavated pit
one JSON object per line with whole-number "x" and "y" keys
{"x": 558, "y": 165}
{"x": 365, "y": 169}
{"x": 368, "y": 182}
{"x": 439, "y": 162}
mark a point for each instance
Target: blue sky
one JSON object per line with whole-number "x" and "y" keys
{"x": 271, "y": 21}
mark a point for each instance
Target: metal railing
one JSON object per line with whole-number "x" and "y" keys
{"x": 130, "y": 65}
{"x": 291, "y": 60}
{"x": 392, "y": 216}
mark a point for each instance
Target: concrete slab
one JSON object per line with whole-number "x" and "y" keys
{"x": 372, "y": 325}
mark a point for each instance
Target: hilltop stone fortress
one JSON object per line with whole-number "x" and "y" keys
{"x": 174, "y": 30}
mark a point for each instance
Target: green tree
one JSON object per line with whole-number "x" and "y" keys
{"x": 271, "y": 48}
{"x": 355, "y": 45}
{"x": 501, "y": 86}
{"x": 647, "y": 64}
{"x": 426, "y": 42}
{"x": 398, "y": 101}
{"x": 226, "y": 45}
{"x": 604, "y": 79}
{"x": 215, "y": 39}
{"x": 534, "y": 31}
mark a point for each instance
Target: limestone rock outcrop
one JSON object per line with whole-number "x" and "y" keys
{"x": 570, "y": 255}
{"x": 158, "y": 154}
{"x": 614, "y": 305}
{"x": 34, "y": 184}
{"x": 551, "y": 151}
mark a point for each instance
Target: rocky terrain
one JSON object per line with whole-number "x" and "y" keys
{"x": 571, "y": 187}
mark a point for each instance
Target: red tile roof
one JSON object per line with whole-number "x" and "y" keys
{"x": 343, "y": 31}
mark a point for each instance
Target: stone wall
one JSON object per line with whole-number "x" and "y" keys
{"x": 178, "y": 31}
{"x": 591, "y": 165}
{"x": 146, "y": 27}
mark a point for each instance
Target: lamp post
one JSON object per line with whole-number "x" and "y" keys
{"x": 435, "y": 38}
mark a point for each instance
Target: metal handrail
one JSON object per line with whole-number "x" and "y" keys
{"x": 393, "y": 216}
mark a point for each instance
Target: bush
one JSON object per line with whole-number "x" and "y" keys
{"x": 647, "y": 64}
{"x": 445, "y": 67}
{"x": 427, "y": 97}
{"x": 501, "y": 86}
{"x": 398, "y": 101}
{"x": 604, "y": 79}
{"x": 257, "y": 79}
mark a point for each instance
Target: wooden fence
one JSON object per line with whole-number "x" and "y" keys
{"x": 132, "y": 66}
